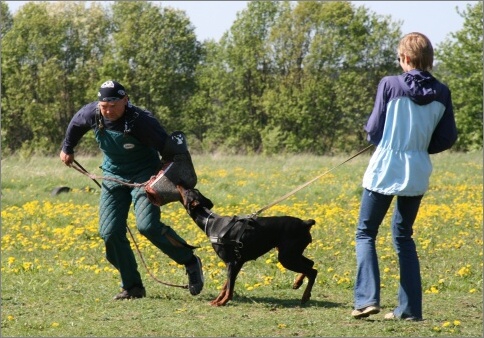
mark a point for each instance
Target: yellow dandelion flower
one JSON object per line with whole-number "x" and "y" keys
{"x": 27, "y": 265}
{"x": 464, "y": 271}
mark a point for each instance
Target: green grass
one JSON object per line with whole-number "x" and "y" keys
{"x": 56, "y": 282}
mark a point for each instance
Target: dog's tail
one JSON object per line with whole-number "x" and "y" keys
{"x": 310, "y": 222}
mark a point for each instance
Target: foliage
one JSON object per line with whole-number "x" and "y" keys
{"x": 332, "y": 56}
{"x": 49, "y": 60}
{"x": 287, "y": 77}
{"x": 156, "y": 52}
{"x": 56, "y": 55}
{"x": 56, "y": 282}
{"x": 5, "y": 18}
{"x": 461, "y": 68}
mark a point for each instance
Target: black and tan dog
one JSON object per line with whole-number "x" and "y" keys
{"x": 237, "y": 240}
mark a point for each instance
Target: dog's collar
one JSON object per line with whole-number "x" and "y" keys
{"x": 206, "y": 223}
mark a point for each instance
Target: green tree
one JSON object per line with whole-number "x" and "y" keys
{"x": 460, "y": 67}
{"x": 49, "y": 58}
{"x": 29, "y": 55}
{"x": 294, "y": 77}
{"x": 243, "y": 72}
{"x": 155, "y": 54}
{"x": 6, "y": 20}
{"x": 330, "y": 57}
{"x": 198, "y": 117}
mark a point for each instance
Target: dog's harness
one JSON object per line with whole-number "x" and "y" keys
{"x": 228, "y": 232}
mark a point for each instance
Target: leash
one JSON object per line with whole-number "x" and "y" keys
{"x": 81, "y": 169}
{"x": 255, "y": 214}
{"x": 146, "y": 267}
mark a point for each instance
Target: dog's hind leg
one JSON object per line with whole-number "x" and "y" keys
{"x": 298, "y": 281}
{"x": 233, "y": 269}
{"x": 307, "y": 292}
{"x": 294, "y": 260}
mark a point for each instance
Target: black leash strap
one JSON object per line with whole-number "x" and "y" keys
{"x": 255, "y": 214}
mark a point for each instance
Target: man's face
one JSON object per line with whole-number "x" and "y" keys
{"x": 113, "y": 110}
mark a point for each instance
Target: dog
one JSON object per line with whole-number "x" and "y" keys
{"x": 237, "y": 240}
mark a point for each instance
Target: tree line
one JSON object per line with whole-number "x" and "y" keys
{"x": 287, "y": 77}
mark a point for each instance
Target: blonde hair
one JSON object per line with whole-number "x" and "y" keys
{"x": 418, "y": 48}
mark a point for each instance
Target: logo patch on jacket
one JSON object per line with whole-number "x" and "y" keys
{"x": 128, "y": 146}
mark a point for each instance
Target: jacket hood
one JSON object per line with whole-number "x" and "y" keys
{"x": 419, "y": 86}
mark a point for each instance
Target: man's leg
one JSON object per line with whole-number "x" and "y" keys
{"x": 166, "y": 239}
{"x": 113, "y": 212}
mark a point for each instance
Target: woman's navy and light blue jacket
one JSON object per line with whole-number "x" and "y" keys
{"x": 412, "y": 118}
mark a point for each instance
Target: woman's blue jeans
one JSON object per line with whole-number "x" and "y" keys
{"x": 374, "y": 207}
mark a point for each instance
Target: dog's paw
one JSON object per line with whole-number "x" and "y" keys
{"x": 306, "y": 297}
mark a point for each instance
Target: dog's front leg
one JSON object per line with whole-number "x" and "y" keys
{"x": 221, "y": 294}
{"x": 233, "y": 269}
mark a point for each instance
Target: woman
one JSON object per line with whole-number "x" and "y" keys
{"x": 412, "y": 118}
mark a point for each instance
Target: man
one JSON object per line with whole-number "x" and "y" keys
{"x": 132, "y": 141}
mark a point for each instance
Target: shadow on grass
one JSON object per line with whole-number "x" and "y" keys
{"x": 272, "y": 302}
{"x": 284, "y": 302}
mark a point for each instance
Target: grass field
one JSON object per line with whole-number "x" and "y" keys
{"x": 57, "y": 283}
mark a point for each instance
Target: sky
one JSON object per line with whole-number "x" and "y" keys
{"x": 436, "y": 19}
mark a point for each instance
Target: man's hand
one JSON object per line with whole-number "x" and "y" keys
{"x": 67, "y": 158}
